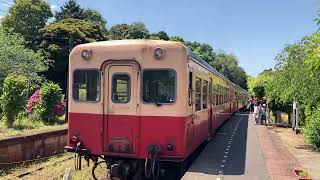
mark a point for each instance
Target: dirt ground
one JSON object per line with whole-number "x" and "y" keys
{"x": 54, "y": 168}
{"x": 303, "y": 152}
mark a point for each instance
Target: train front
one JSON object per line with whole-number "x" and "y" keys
{"x": 124, "y": 105}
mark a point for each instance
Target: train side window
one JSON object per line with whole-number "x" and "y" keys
{"x": 190, "y": 89}
{"x": 213, "y": 94}
{"x": 221, "y": 94}
{"x": 217, "y": 94}
{"x": 205, "y": 95}
{"x": 120, "y": 88}
{"x": 86, "y": 85}
{"x": 159, "y": 86}
{"x": 198, "y": 95}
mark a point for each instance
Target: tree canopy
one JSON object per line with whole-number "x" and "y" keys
{"x": 15, "y": 58}
{"x": 58, "y": 39}
{"x": 136, "y": 30}
{"x": 70, "y": 10}
{"x": 26, "y": 17}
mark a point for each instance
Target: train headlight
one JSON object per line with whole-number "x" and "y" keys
{"x": 86, "y": 54}
{"x": 158, "y": 53}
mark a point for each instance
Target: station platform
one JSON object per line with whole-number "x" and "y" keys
{"x": 233, "y": 153}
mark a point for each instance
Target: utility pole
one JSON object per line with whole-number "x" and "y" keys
{"x": 67, "y": 70}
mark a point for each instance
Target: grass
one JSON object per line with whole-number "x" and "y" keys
{"x": 54, "y": 168}
{"x": 25, "y": 126}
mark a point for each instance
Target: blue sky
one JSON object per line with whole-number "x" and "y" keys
{"x": 254, "y": 30}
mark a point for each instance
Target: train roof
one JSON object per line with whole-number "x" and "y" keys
{"x": 207, "y": 65}
{"x": 146, "y": 42}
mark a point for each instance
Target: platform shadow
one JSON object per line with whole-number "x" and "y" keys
{"x": 218, "y": 157}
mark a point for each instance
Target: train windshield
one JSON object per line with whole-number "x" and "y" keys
{"x": 159, "y": 86}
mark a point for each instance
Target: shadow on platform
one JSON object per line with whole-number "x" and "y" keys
{"x": 217, "y": 157}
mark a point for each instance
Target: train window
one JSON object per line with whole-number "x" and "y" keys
{"x": 86, "y": 85}
{"x": 221, "y": 100}
{"x": 198, "y": 95}
{"x": 120, "y": 88}
{"x": 218, "y": 95}
{"x": 205, "y": 95}
{"x": 213, "y": 94}
{"x": 190, "y": 89}
{"x": 159, "y": 86}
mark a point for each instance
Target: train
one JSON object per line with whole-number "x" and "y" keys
{"x": 144, "y": 106}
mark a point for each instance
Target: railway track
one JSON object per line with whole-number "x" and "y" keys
{"x": 37, "y": 169}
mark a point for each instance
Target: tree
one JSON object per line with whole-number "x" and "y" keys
{"x": 59, "y": 37}
{"x": 177, "y": 39}
{"x": 137, "y": 30}
{"x": 14, "y": 96}
{"x": 227, "y": 64}
{"x": 124, "y": 31}
{"x": 27, "y": 17}
{"x": 16, "y": 58}
{"x": 161, "y": 35}
{"x": 70, "y": 10}
{"x": 95, "y": 17}
{"x": 119, "y": 31}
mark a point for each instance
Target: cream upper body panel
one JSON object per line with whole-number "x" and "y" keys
{"x": 141, "y": 51}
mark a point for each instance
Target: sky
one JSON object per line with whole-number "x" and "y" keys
{"x": 253, "y": 30}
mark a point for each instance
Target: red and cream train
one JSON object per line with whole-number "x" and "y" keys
{"x": 139, "y": 104}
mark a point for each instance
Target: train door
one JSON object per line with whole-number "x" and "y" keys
{"x": 210, "y": 110}
{"x": 121, "y": 118}
{"x": 190, "y": 124}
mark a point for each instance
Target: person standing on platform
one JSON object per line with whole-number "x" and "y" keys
{"x": 256, "y": 113}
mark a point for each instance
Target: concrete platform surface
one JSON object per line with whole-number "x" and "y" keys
{"x": 234, "y": 153}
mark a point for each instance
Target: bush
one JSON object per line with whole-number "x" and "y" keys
{"x": 14, "y": 96}
{"x": 23, "y": 122}
{"x": 312, "y": 128}
{"x": 50, "y": 96}
{"x": 32, "y": 102}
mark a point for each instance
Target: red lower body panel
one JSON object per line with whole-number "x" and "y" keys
{"x": 129, "y": 136}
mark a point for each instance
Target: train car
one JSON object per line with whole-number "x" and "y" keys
{"x": 140, "y": 105}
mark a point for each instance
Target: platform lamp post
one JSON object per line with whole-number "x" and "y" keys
{"x": 295, "y": 117}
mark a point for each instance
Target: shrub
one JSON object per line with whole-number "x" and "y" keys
{"x": 23, "y": 122}
{"x": 312, "y": 128}
{"x": 50, "y": 95}
{"x": 14, "y": 96}
{"x": 32, "y": 102}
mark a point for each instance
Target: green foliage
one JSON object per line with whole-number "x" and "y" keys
{"x": 70, "y": 10}
{"x": 95, "y": 17}
{"x": 15, "y": 58}
{"x": 14, "y": 96}
{"x": 119, "y": 31}
{"x": 71, "y": 32}
{"x": 27, "y": 17}
{"x": 228, "y": 65}
{"x": 177, "y": 39}
{"x": 24, "y": 122}
{"x": 136, "y": 30}
{"x": 50, "y": 95}
{"x": 161, "y": 35}
{"x": 259, "y": 86}
{"x": 259, "y": 91}
{"x": 312, "y": 128}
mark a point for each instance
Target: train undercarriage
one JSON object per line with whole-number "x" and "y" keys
{"x": 151, "y": 168}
